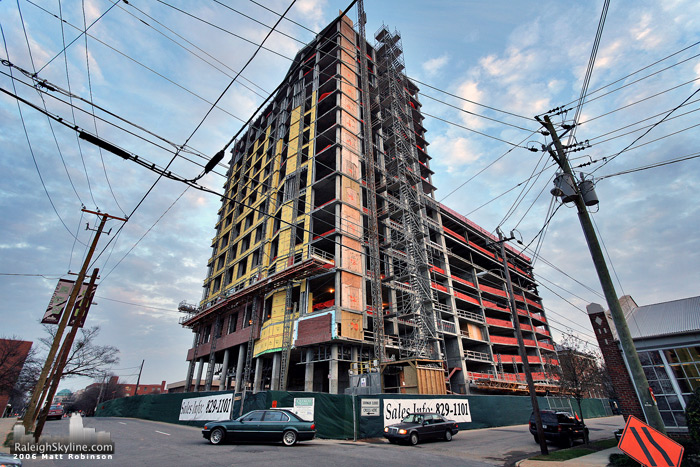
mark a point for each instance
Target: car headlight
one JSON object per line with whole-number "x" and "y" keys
{"x": 386, "y": 429}
{"x": 402, "y": 431}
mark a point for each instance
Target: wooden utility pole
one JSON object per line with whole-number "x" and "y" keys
{"x": 651, "y": 411}
{"x": 138, "y": 380}
{"x": 64, "y": 353}
{"x": 32, "y": 408}
{"x": 521, "y": 346}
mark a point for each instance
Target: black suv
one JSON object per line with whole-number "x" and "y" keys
{"x": 561, "y": 427}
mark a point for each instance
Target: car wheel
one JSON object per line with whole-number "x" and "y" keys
{"x": 537, "y": 439}
{"x": 392, "y": 441}
{"x": 448, "y": 435}
{"x": 567, "y": 441}
{"x": 289, "y": 438}
{"x": 413, "y": 438}
{"x": 217, "y": 436}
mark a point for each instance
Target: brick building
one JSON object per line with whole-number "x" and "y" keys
{"x": 13, "y": 354}
{"x": 332, "y": 259}
{"x": 667, "y": 338}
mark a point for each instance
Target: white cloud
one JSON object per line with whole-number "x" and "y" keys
{"x": 454, "y": 153}
{"x": 432, "y": 66}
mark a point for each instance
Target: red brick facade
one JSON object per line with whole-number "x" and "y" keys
{"x": 629, "y": 403}
{"x": 314, "y": 330}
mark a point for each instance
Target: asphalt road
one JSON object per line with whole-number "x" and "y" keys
{"x": 142, "y": 442}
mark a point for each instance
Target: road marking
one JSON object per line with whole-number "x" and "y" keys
{"x": 122, "y": 423}
{"x": 166, "y": 434}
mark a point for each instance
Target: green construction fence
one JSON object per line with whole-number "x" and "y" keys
{"x": 341, "y": 417}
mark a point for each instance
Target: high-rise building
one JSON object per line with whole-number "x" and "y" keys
{"x": 333, "y": 266}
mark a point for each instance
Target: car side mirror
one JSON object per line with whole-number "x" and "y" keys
{"x": 425, "y": 422}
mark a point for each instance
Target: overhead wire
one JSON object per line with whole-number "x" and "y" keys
{"x": 31, "y": 150}
{"x": 72, "y": 108}
{"x": 609, "y": 159}
{"x": 694, "y": 155}
{"x": 160, "y": 175}
{"x": 53, "y": 133}
{"x": 193, "y": 45}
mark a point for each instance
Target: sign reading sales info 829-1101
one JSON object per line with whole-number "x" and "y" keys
{"x": 210, "y": 408}
{"x": 451, "y": 409}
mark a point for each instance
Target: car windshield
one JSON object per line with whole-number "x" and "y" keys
{"x": 413, "y": 418}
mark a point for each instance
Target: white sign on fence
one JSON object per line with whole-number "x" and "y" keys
{"x": 452, "y": 409}
{"x": 304, "y": 407}
{"x": 369, "y": 408}
{"x": 208, "y": 408}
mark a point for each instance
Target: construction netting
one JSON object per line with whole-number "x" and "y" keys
{"x": 359, "y": 416}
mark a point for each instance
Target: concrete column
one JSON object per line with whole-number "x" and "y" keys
{"x": 239, "y": 367}
{"x": 309, "y": 375}
{"x": 223, "y": 377}
{"x": 275, "y": 382}
{"x": 333, "y": 370}
{"x": 190, "y": 374}
{"x": 258, "y": 375}
{"x": 210, "y": 373}
{"x": 200, "y": 367}
{"x": 355, "y": 354}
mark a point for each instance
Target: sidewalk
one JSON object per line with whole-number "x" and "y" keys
{"x": 596, "y": 459}
{"x": 6, "y": 426}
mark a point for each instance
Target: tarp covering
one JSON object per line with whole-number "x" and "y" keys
{"x": 334, "y": 415}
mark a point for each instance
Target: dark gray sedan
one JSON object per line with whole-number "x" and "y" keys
{"x": 261, "y": 425}
{"x": 417, "y": 427}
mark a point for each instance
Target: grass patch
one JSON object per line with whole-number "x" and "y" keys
{"x": 573, "y": 453}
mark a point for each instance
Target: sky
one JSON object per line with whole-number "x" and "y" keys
{"x": 153, "y": 69}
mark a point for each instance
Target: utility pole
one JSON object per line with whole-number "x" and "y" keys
{"x": 521, "y": 347}
{"x": 32, "y": 408}
{"x": 648, "y": 404}
{"x": 138, "y": 380}
{"x": 63, "y": 355}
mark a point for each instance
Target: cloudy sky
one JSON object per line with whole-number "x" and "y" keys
{"x": 154, "y": 68}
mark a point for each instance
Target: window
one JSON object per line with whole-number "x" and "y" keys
{"x": 242, "y": 268}
{"x": 256, "y": 416}
{"x": 275, "y": 416}
{"x": 232, "y": 323}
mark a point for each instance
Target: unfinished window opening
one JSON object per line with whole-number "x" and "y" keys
{"x": 232, "y": 323}
{"x": 322, "y": 292}
{"x": 255, "y": 260}
{"x": 258, "y": 234}
{"x": 249, "y": 220}
{"x": 267, "y": 311}
{"x": 299, "y": 234}
{"x": 242, "y": 268}
{"x": 228, "y": 277}
{"x": 274, "y": 248}
{"x": 245, "y": 243}
{"x": 301, "y": 205}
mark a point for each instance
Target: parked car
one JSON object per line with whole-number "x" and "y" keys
{"x": 8, "y": 460}
{"x": 55, "y": 413}
{"x": 417, "y": 427}
{"x": 261, "y": 425}
{"x": 561, "y": 427}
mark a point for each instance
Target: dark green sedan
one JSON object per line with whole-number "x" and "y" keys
{"x": 261, "y": 425}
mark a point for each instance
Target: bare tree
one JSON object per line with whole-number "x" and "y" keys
{"x": 580, "y": 370}
{"x": 102, "y": 390}
{"x": 86, "y": 358}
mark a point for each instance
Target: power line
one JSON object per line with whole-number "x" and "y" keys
{"x": 647, "y": 132}
{"x": 474, "y": 114}
{"x": 652, "y": 166}
{"x": 467, "y": 100}
{"x": 31, "y": 149}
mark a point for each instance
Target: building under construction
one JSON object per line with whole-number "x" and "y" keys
{"x": 334, "y": 269}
